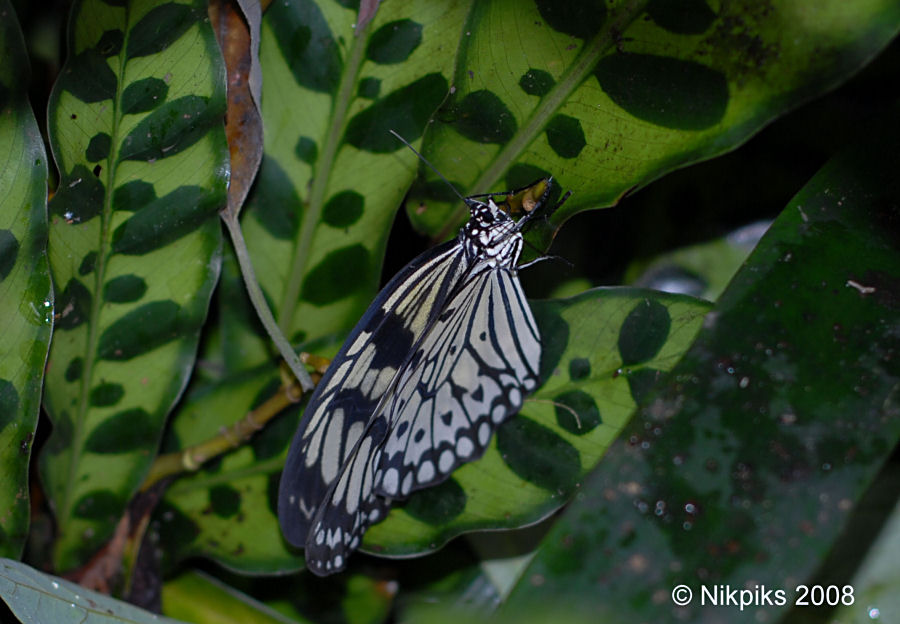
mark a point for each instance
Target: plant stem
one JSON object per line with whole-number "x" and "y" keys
{"x": 262, "y": 308}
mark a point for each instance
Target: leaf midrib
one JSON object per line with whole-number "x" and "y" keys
{"x": 539, "y": 117}
{"x": 321, "y": 177}
{"x": 99, "y": 275}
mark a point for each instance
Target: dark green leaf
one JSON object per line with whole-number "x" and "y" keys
{"x": 746, "y": 461}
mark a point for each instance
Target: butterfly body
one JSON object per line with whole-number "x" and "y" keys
{"x": 446, "y": 352}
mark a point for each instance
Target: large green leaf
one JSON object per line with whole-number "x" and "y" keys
{"x": 594, "y": 377}
{"x": 135, "y": 123}
{"x": 33, "y": 596}
{"x": 332, "y": 176}
{"x": 608, "y": 96}
{"x": 26, "y": 297}
{"x": 742, "y": 469}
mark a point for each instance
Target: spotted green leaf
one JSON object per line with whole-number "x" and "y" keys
{"x": 33, "y": 596}
{"x": 746, "y": 464}
{"x": 227, "y": 509}
{"x": 331, "y": 180}
{"x": 332, "y": 176}
{"x": 603, "y": 351}
{"x": 608, "y": 96}
{"x": 26, "y": 298}
{"x": 594, "y": 376}
{"x": 135, "y": 122}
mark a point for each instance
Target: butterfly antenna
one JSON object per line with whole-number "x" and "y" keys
{"x": 432, "y": 167}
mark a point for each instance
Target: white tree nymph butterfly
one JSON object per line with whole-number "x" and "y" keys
{"x": 446, "y": 352}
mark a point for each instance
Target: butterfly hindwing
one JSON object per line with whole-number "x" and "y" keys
{"x": 472, "y": 371}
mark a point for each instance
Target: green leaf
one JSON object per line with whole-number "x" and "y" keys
{"x": 332, "y": 178}
{"x": 135, "y": 121}
{"x": 610, "y": 96}
{"x": 227, "y": 510}
{"x": 33, "y": 596}
{"x": 26, "y": 297}
{"x": 875, "y": 586}
{"x": 745, "y": 464}
{"x": 197, "y": 597}
{"x": 542, "y": 454}
{"x": 317, "y": 219}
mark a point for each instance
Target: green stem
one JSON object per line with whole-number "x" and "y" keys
{"x": 262, "y": 308}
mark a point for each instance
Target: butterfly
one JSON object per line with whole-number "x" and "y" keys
{"x": 446, "y": 352}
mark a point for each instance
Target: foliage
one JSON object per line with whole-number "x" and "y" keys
{"x": 721, "y": 441}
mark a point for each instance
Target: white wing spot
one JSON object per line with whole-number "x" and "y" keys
{"x": 407, "y": 483}
{"x": 464, "y": 447}
{"x": 515, "y": 397}
{"x": 338, "y": 561}
{"x": 331, "y": 450}
{"x": 357, "y": 473}
{"x": 314, "y": 447}
{"x": 426, "y": 472}
{"x": 353, "y": 434}
{"x": 374, "y": 515}
{"x": 445, "y": 463}
{"x": 498, "y": 414}
{"x": 358, "y": 344}
{"x": 484, "y": 433}
{"x": 391, "y": 481}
